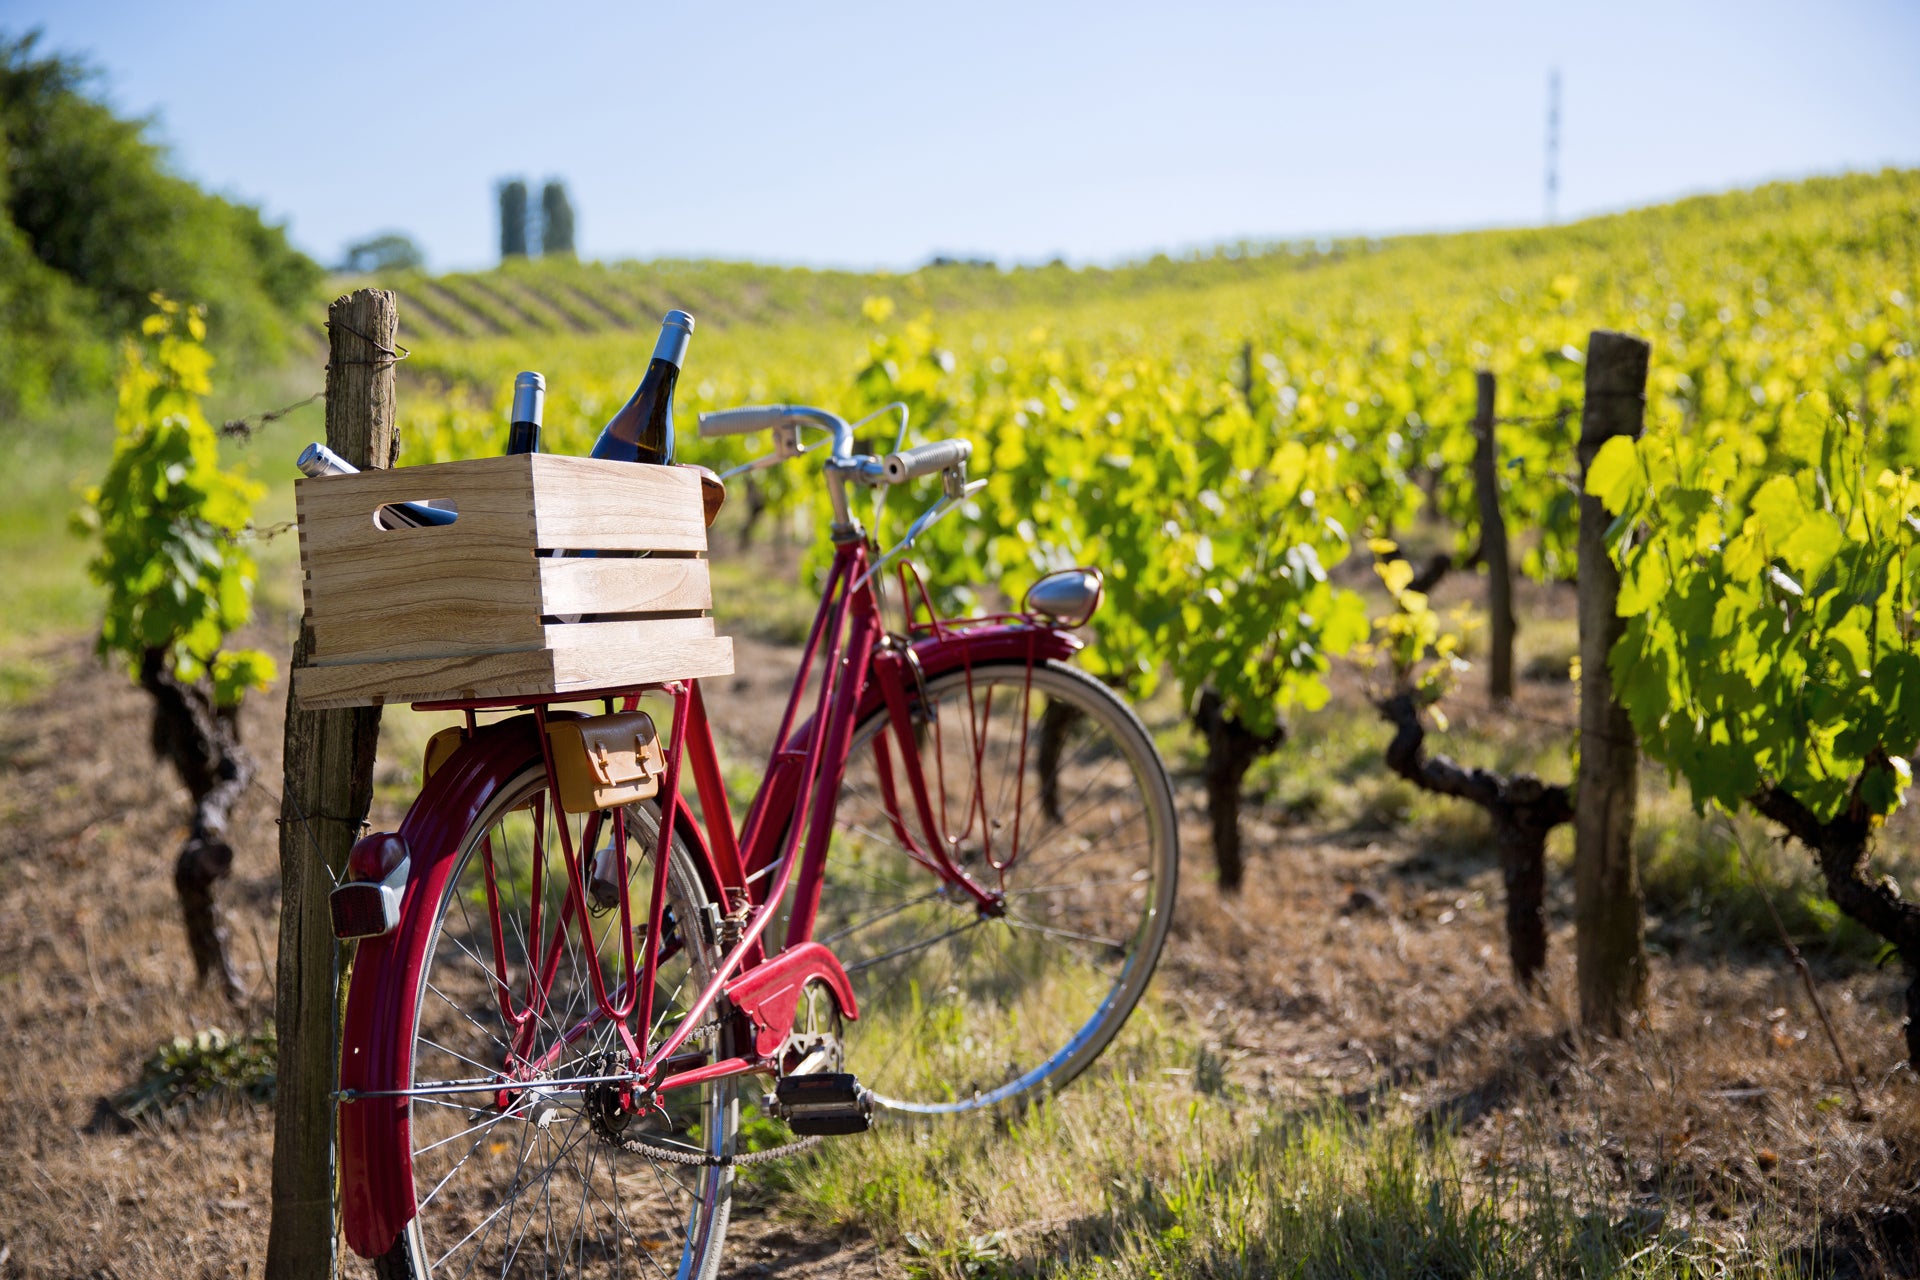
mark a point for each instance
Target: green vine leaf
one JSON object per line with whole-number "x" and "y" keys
{"x": 169, "y": 519}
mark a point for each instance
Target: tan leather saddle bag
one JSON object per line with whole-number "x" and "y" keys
{"x": 603, "y": 762}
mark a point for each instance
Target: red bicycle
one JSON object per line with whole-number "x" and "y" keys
{"x": 948, "y": 894}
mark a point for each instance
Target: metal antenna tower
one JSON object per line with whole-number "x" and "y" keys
{"x": 1553, "y": 144}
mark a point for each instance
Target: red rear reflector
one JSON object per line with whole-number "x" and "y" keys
{"x": 369, "y": 908}
{"x": 360, "y": 910}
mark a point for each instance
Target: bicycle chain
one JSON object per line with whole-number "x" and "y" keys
{"x": 675, "y": 1155}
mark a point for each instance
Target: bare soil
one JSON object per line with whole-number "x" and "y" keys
{"x": 1362, "y": 965}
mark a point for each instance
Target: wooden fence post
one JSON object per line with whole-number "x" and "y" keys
{"x": 1493, "y": 542}
{"x": 327, "y": 792}
{"x": 1608, "y": 906}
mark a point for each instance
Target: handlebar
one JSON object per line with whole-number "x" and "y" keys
{"x": 925, "y": 460}
{"x": 946, "y": 458}
{"x": 764, "y": 417}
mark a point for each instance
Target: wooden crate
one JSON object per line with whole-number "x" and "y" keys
{"x": 467, "y": 610}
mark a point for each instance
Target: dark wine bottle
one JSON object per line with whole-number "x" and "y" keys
{"x": 529, "y": 403}
{"x": 643, "y": 430}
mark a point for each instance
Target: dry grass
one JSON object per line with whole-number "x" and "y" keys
{"x": 1331, "y": 1082}
{"x": 95, "y": 974}
{"x": 1305, "y": 1067}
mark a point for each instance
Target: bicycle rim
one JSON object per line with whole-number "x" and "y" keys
{"x": 534, "y": 1185}
{"x": 963, "y": 1009}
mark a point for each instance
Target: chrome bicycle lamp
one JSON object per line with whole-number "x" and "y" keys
{"x": 1069, "y": 597}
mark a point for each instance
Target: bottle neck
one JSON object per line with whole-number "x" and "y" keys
{"x": 672, "y": 346}
{"x": 676, "y": 331}
{"x": 529, "y": 406}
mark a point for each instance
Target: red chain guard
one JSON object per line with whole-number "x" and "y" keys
{"x": 769, "y": 993}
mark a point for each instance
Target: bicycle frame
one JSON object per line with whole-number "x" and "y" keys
{"x": 860, "y": 671}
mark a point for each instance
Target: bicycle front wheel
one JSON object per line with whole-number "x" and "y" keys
{"x": 556, "y": 1180}
{"x": 1056, "y": 802}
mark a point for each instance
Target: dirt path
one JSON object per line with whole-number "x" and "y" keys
{"x": 96, "y": 974}
{"x": 1363, "y": 964}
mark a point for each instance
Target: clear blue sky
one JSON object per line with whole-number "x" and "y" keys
{"x": 878, "y": 134}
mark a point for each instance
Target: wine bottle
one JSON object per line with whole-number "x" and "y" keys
{"x": 529, "y": 404}
{"x": 318, "y": 460}
{"x": 643, "y": 430}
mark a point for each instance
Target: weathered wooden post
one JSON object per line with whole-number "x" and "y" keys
{"x": 1493, "y": 542}
{"x": 1608, "y": 907}
{"x": 327, "y": 792}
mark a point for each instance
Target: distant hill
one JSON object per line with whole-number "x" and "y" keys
{"x": 534, "y": 297}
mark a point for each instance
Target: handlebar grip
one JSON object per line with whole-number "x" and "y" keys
{"x": 746, "y": 421}
{"x": 926, "y": 460}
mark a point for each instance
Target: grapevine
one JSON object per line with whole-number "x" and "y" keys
{"x": 1771, "y": 656}
{"x": 179, "y": 578}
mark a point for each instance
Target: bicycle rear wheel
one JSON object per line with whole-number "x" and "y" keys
{"x": 1043, "y": 770}
{"x": 545, "y": 1181}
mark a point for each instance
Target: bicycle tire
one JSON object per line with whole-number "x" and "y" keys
{"x": 1022, "y": 1038}
{"x": 702, "y": 1236}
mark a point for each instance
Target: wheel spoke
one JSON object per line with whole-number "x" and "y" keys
{"x": 1110, "y": 943}
{"x": 895, "y": 910}
{"x": 1084, "y": 903}
{"x": 911, "y": 947}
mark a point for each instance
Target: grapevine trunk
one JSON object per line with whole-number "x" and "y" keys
{"x": 1841, "y": 845}
{"x": 202, "y": 742}
{"x": 1524, "y": 811}
{"x": 1232, "y": 749}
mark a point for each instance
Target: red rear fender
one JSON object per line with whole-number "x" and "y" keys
{"x": 376, "y": 1151}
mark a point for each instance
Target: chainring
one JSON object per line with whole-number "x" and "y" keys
{"x": 816, "y": 1031}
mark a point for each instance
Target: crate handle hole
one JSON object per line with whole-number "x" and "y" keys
{"x": 415, "y": 513}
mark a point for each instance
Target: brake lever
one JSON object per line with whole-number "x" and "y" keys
{"x": 928, "y": 518}
{"x": 787, "y": 445}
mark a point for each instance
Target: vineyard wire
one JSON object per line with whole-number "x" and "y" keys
{"x": 1564, "y": 726}
{"x": 301, "y": 820}
{"x": 1539, "y": 421}
{"x": 255, "y": 533}
{"x": 394, "y": 354}
{"x": 244, "y": 427}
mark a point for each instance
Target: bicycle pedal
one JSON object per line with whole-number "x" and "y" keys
{"x": 829, "y": 1102}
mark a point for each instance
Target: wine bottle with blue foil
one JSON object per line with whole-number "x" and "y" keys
{"x": 318, "y": 460}
{"x": 643, "y": 429}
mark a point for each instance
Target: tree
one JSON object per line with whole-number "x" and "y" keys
{"x": 513, "y": 219}
{"x": 388, "y": 252}
{"x": 93, "y": 221}
{"x": 179, "y": 581}
{"x": 556, "y": 221}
